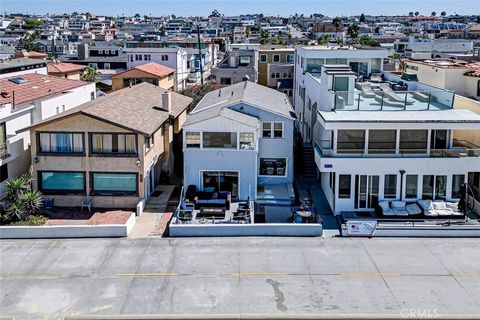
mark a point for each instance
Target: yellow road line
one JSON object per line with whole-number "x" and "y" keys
{"x": 35, "y": 276}
{"x": 467, "y": 274}
{"x": 147, "y": 274}
{"x": 238, "y": 274}
{"x": 368, "y": 274}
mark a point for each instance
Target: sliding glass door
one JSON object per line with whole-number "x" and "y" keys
{"x": 216, "y": 181}
{"x": 366, "y": 191}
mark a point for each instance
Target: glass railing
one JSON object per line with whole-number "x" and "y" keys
{"x": 324, "y": 149}
{"x": 389, "y": 100}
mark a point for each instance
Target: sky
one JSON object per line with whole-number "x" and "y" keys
{"x": 236, "y": 7}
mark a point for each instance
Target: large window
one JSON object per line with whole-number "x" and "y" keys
{"x": 434, "y": 187}
{"x": 344, "y": 186}
{"x": 60, "y": 142}
{"x": 427, "y": 187}
{"x": 457, "y": 182}
{"x": 244, "y": 61}
{"x": 114, "y": 143}
{"x": 192, "y": 139}
{"x": 272, "y": 130}
{"x": 276, "y": 58}
{"x": 273, "y": 167}
{"x": 315, "y": 65}
{"x": 351, "y": 141}
{"x": 61, "y": 182}
{"x": 220, "y": 140}
{"x": 382, "y": 141}
{"x": 114, "y": 183}
{"x": 247, "y": 141}
{"x": 413, "y": 141}
{"x": 411, "y": 186}
{"x": 390, "y": 186}
{"x": 440, "y": 187}
{"x": 263, "y": 58}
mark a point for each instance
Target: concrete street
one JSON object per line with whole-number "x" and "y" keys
{"x": 52, "y": 278}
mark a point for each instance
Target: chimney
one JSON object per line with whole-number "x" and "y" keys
{"x": 167, "y": 100}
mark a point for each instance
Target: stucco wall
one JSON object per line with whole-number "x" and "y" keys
{"x": 117, "y": 80}
{"x": 470, "y": 135}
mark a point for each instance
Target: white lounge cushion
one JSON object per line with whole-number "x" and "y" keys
{"x": 384, "y": 205}
{"x": 388, "y": 212}
{"x": 413, "y": 208}
{"x": 430, "y": 213}
{"x": 439, "y": 205}
{"x": 452, "y": 205}
{"x": 444, "y": 212}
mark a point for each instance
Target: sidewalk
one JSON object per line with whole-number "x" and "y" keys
{"x": 154, "y": 219}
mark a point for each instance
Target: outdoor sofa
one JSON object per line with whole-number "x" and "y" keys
{"x": 419, "y": 209}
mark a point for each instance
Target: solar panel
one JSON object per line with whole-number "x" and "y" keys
{"x": 17, "y": 80}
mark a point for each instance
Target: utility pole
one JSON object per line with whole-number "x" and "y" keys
{"x": 199, "y": 52}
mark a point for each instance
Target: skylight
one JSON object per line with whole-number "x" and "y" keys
{"x": 17, "y": 80}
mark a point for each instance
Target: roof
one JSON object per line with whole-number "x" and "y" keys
{"x": 137, "y": 108}
{"x": 152, "y": 68}
{"x": 30, "y": 54}
{"x": 37, "y": 86}
{"x": 215, "y": 102}
{"x": 64, "y": 67}
{"x": 20, "y": 62}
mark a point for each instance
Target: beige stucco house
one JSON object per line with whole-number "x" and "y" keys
{"x": 151, "y": 72}
{"x": 113, "y": 149}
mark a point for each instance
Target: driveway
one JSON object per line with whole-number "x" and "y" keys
{"x": 52, "y": 278}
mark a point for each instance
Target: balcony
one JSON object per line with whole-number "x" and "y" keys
{"x": 460, "y": 149}
{"x": 385, "y": 100}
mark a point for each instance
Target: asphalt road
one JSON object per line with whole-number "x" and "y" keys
{"x": 53, "y": 278}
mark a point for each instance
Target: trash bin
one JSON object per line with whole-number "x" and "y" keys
{"x": 48, "y": 203}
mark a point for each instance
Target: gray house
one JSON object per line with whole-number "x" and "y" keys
{"x": 239, "y": 139}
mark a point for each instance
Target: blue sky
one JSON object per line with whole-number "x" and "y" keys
{"x": 235, "y": 7}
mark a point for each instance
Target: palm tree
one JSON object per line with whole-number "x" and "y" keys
{"x": 90, "y": 74}
{"x": 443, "y": 14}
{"x": 433, "y": 14}
{"x": 353, "y": 31}
{"x": 336, "y": 22}
{"x": 417, "y": 13}
{"x": 410, "y": 14}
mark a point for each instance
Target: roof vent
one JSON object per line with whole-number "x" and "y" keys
{"x": 17, "y": 80}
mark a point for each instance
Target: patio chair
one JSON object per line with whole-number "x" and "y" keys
{"x": 367, "y": 90}
{"x": 240, "y": 215}
{"x": 391, "y": 95}
{"x": 376, "y": 77}
{"x": 87, "y": 203}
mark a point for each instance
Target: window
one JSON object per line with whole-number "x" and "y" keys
{"x": 413, "y": 141}
{"x": 351, "y": 141}
{"x": 3, "y": 172}
{"x": 149, "y": 141}
{"x": 60, "y": 142}
{"x": 93, "y": 65}
{"x": 273, "y": 75}
{"x": 273, "y": 167}
{"x": 106, "y": 66}
{"x": 411, "y": 186}
{"x": 344, "y": 186}
{"x": 289, "y": 58}
{"x": 276, "y": 58}
{"x": 457, "y": 184}
{"x": 61, "y": 182}
{"x": 100, "y": 51}
{"x": 285, "y": 75}
{"x": 131, "y": 57}
{"x": 164, "y": 57}
{"x": 390, "y": 186}
{"x": 92, "y": 95}
{"x": 114, "y": 143}
{"x": 382, "y": 141}
{"x": 332, "y": 181}
{"x": 272, "y": 130}
{"x": 336, "y": 61}
{"x": 225, "y": 81}
{"x": 263, "y": 58}
{"x": 244, "y": 61}
{"x": 247, "y": 141}
{"x": 427, "y": 187}
{"x": 114, "y": 183}
{"x": 220, "y": 140}
{"x": 192, "y": 139}
{"x": 440, "y": 187}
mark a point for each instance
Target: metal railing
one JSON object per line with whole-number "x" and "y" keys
{"x": 325, "y": 150}
{"x": 379, "y": 100}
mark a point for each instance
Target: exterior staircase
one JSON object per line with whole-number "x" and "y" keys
{"x": 309, "y": 166}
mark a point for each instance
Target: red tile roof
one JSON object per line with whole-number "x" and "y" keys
{"x": 30, "y": 54}
{"x": 64, "y": 67}
{"x": 37, "y": 86}
{"x": 154, "y": 69}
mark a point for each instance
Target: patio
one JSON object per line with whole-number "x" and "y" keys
{"x": 238, "y": 212}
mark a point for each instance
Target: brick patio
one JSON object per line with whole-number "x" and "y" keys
{"x": 96, "y": 217}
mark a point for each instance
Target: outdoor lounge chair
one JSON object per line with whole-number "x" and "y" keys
{"x": 391, "y": 95}
{"x": 376, "y": 77}
{"x": 87, "y": 202}
{"x": 367, "y": 90}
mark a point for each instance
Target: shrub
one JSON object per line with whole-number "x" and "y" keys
{"x": 20, "y": 202}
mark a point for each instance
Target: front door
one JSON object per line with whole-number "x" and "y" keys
{"x": 366, "y": 191}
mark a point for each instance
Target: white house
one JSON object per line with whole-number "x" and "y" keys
{"x": 29, "y": 99}
{"x": 175, "y": 58}
{"x": 308, "y": 62}
{"x": 239, "y": 138}
{"x": 385, "y": 143}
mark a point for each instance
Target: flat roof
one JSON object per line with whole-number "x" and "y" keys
{"x": 21, "y": 62}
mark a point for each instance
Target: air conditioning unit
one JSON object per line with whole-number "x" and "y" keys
{"x": 270, "y": 170}
{"x": 280, "y": 171}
